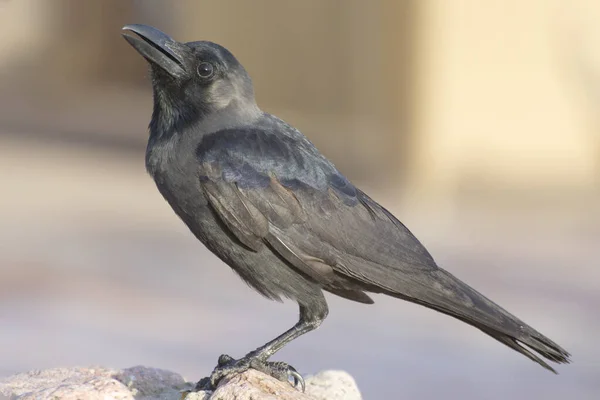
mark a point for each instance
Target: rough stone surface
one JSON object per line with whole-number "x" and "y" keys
{"x": 137, "y": 383}
{"x": 65, "y": 383}
{"x": 332, "y": 385}
{"x": 141, "y": 383}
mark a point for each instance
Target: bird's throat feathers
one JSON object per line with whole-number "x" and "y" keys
{"x": 171, "y": 114}
{"x": 223, "y": 105}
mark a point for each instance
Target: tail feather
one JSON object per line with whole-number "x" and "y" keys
{"x": 550, "y": 350}
{"x": 505, "y": 328}
{"x": 540, "y": 344}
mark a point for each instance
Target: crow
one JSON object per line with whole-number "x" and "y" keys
{"x": 260, "y": 196}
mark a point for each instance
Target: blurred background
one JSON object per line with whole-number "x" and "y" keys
{"x": 475, "y": 122}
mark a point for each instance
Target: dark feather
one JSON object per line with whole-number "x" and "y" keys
{"x": 271, "y": 186}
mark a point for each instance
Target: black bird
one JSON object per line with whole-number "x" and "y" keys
{"x": 263, "y": 199}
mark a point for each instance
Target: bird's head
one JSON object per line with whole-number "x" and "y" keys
{"x": 192, "y": 81}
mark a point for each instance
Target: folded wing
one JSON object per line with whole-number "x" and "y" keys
{"x": 277, "y": 190}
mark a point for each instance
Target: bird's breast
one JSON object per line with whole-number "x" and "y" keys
{"x": 173, "y": 167}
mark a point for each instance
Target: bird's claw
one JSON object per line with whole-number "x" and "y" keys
{"x": 280, "y": 371}
{"x": 297, "y": 379}
{"x": 227, "y": 366}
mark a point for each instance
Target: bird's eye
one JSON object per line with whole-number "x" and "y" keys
{"x": 205, "y": 70}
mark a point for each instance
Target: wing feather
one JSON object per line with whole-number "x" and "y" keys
{"x": 273, "y": 188}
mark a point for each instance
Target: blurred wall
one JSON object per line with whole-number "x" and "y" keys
{"x": 444, "y": 96}
{"x": 508, "y": 94}
{"x": 65, "y": 42}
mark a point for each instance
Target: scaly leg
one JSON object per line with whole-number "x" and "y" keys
{"x": 310, "y": 319}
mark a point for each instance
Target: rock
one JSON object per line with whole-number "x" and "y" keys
{"x": 65, "y": 383}
{"x": 332, "y": 385}
{"x": 94, "y": 383}
{"x": 153, "y": 383}
{"x": 141, "y": 383}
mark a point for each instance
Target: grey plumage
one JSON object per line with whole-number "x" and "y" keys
{"x": 262, "y": 198}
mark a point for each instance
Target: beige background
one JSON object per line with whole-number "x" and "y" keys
{"x": 475, "y": 122}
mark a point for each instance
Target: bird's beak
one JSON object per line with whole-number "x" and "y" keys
{"x": 156, "y": 47}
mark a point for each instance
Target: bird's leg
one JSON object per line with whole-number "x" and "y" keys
{"x": 310, "y": 319}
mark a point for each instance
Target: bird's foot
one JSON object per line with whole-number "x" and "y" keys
{"x": 281, "y": 371}
{"x": 228, "y": 366}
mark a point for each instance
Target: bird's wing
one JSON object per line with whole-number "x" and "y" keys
{"x": 277, "y": 190}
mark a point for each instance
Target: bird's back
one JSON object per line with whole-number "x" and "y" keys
{"x": 336, "y": 234}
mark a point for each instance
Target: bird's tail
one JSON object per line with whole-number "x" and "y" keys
{"x": 535, "y": 341}
{"x": 492, "y": 320}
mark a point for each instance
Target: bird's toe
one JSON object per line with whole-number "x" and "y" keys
{"x": 224, "y": 359}
{"x": 226, "y": 366}
{"x": 281, "y": 371}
